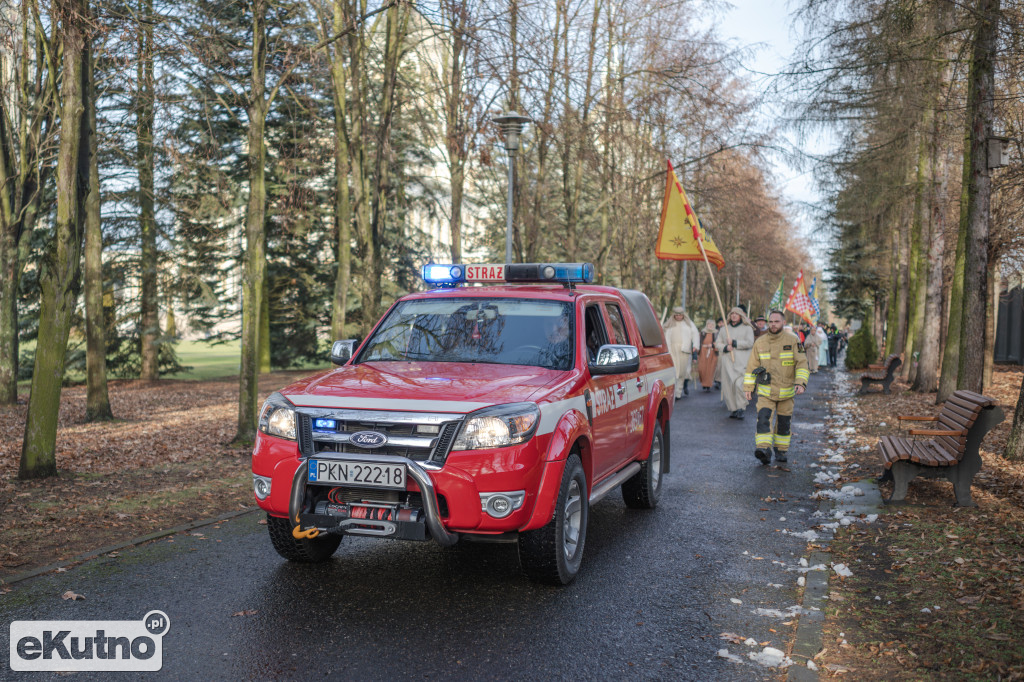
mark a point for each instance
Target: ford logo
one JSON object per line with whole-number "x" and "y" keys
{"x": 368, "y": 439}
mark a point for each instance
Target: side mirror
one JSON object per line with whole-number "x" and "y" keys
{"x": 341, "y": 351}
{"x": 615, "y": 359}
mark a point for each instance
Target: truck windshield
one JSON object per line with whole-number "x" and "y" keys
{"x": 504, "y": 331}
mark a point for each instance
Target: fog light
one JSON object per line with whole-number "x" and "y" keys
{"x": 500, "y": 505}
{"x": 261, "y": 486}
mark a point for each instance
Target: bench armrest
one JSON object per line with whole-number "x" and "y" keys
{"x": 937, "y": 432}
{"x": 915, "y": 418}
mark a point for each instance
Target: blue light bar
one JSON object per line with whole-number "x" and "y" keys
{"x": 522, "y": 273}
{"x": 444, "y": 275}
{"x": 549, "y": 272}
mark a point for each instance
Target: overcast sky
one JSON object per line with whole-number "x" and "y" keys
{"x": 767, "y": 24}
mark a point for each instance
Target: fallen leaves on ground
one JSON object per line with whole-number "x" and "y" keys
{"x": 938, "y": 591}
{"x": 164, "y": 462}
{"x": 72, "y": 596}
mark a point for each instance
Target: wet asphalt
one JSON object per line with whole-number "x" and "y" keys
{"x": 650, "y": 602}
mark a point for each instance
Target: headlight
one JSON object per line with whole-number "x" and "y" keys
{"x": 497, "y": 427}
{"x": 277, "y": 417}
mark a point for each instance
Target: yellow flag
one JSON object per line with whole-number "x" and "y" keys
{"x": 680, "y": 229}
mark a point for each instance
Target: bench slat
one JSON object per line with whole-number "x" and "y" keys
{"x": 956, "y": 444}
{"x": 943, "y": 457}
{"x": 944, "y": 446}
{"x": 902, "y": 447}
{"x": 923, "y": 454}
{"x": 977, "y": 398}
{"x": 950, "y": 409}
{"x": 964, "y": 402}
{"x": 954, "y": 423}
{"x": 888, "y": 453}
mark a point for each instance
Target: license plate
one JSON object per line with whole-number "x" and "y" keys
{"x": 360, "y": 474}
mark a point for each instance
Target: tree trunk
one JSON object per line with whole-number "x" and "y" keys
{"x": 97, "y": 400}
{"x": 60, "y": 272}
{"x": 373, "y": 263}
{"x": 21, "y": 141}
{"x": 361, "y": 195}
{"x": 1015, "y": 443}
{"x": 954, "y": 324}
{"x": 928, "y": 364}
{"x": 342, "y": 205}
{"x": 9, "y": 277}
{"x": 532, "y": 223}
{"x": 149, "y": 322}
{"x": 918, "y": 245}
{"x": 893, "y": 305}
{"x": 991, "y": 320}
{"x": 902, "y": 294}
{"x": 255, "y": 260}
{"x": 264, "y": 333}
{"x": 980, "y": 112}
{"x": 456, "y": 132}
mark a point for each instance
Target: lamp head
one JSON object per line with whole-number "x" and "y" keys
{"x": 511, "y": 125}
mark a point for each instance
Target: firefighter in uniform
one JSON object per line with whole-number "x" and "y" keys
{"x": 778, "y": 369}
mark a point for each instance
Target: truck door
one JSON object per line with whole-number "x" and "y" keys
{"x": 636, "y": 385}
{"x": 608, "y": 394}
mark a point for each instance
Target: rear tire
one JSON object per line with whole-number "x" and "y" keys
{"x": 643, "y": 490}
{"x": 305, "y": 551}
{"x": 553, "y": 554}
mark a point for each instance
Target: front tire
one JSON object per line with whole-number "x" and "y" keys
{"x": 553, "y": 554}
{"x": 305, "y": 551}
{"x": 643, "y": 490}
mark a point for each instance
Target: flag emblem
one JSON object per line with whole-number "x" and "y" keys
{"x": 681, "y": 233}
{"x": 799, "y": 301}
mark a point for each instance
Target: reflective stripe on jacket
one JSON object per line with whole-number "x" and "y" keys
{"x": 782, "y": 356}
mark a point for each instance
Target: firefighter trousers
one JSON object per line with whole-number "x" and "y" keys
{"x": 773, "y": 423}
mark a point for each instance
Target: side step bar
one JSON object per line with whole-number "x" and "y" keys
{"x": 613, "y": 482}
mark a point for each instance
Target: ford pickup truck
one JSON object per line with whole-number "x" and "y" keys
{"x": 497, "y": 406}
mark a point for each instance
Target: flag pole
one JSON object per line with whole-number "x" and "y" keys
{"x": 714, "y": 287}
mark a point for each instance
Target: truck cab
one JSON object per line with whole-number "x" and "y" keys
{"x": 498, "y": 405}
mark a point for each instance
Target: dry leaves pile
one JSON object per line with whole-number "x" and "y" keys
{"x": 164, "y": 462}
{"x": 937, "y": 592}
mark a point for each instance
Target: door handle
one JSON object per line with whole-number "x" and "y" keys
{"x": 620, "y": 390}
{"x": 640, "y": 384}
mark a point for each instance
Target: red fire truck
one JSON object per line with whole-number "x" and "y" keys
{"x": 493, "y": 412}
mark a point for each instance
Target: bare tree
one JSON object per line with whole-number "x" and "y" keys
{"x": 60, "y": 278}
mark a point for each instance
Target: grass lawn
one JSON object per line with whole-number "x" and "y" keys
{"x": 207, "y": 360}
{"x": 217, "y": 360}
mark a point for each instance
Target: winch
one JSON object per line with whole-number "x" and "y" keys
{"x": 368, "y": 510}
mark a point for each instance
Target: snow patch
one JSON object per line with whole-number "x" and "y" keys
{"x": 808, "y": 535}
{"x": 770, "y": 657}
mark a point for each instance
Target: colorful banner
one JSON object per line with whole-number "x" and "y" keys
{"x": 800, "y": 303}
{"x": 681, "y": 233}
{"x": 779, "y": 299}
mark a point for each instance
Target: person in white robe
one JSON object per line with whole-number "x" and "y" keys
{"x": 734, "y": 349}
{"x": 683, "y": 340}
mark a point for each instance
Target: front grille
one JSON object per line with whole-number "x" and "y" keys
{"x": 426, "y": 437}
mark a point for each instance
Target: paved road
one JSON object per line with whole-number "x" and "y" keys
{"x": 653, "y": 595}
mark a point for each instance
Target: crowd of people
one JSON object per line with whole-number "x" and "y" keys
{"x": 743, "y": 359}
{"x": 715, "y": 357}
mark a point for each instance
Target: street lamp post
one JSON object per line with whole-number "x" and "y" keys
{"x": 511, "y": 125}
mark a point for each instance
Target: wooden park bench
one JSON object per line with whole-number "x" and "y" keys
{"x": 881, "y": 374}
{"x": 951, "y": 451}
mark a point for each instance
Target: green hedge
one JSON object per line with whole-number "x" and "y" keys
{"x": 862, "y": 351}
